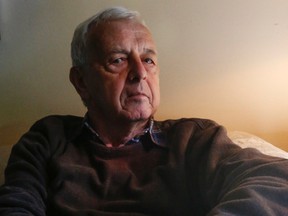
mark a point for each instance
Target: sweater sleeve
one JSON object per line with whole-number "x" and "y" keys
{"x": 244, "y": 181}
{"x": 250, "y": 183}
{"x": 24, "y": 190}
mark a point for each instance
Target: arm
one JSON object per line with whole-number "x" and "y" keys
{"x": 250, "y": 183}
{"x": 24, "y": 191}
{"x": 237, "y": 181}
{"x": 227, "y": 180}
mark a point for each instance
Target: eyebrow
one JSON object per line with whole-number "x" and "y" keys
{"x": 123, "y": 51}
{"x": 150, "y": 51}
{"x": 115, "y": 51}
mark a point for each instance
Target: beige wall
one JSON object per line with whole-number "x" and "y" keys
{"x": 225, "y": 60}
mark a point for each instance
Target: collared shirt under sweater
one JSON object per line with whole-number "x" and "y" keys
{"x": 181, "y": 167}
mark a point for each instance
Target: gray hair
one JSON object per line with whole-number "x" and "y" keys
{"x": 79, "y": 41}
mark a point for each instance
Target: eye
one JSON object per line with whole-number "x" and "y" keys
{"x": 148, "y": 61}
{"x": 118, "y": 61}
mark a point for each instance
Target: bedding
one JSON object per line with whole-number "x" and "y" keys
{"x": 247, "y": 140}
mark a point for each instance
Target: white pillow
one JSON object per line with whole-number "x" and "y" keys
{"x": 246, "y": 140}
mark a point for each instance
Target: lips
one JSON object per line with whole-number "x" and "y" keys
{"x": 137, "y": 95}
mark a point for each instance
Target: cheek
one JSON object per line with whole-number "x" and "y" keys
{"x": 157, "y": 97}
{"x": 114, "y": 88}
{"x": 155, "y": 89}
{"x": 155, "y": 83}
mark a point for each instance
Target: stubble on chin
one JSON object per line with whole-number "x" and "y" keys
{"x": 138, "y": 110}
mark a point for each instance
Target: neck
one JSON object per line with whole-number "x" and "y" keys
{"x": 119, "y": 132}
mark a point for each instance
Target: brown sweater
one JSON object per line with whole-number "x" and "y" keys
{"x": 59, "y": 168}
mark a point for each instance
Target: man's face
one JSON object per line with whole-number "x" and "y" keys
{"x": 122, "y": 73}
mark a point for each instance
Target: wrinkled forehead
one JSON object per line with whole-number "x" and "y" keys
{"x": 115, "y": 33}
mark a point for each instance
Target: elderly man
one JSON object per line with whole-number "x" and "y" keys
{"x": 118, "y": 160}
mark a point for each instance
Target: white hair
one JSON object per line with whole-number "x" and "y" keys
{"x": 79, "y": 41}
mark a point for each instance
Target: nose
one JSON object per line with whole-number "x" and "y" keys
{"x": 137, "y": 71}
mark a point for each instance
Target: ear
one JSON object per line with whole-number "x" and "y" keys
{"x": 76, "y": 77}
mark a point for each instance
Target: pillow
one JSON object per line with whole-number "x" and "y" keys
{"x": 246, "y": 140}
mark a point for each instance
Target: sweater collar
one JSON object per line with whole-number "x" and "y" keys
{"x": 153, "y": 130}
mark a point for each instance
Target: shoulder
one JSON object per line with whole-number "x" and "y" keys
{"x": 193, "y": 132}
{"x": 187, "y": 124}
{"x": 59, "y": 120}
{"x": 62, "y": 125}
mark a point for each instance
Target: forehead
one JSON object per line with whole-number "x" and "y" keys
{"x": 120, "y": 34}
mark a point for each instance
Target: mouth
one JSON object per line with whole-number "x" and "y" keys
{"x": 138, "y": 96}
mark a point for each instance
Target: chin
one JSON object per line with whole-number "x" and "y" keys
{"x": 139, "y": 112}
{"x": 139, "y": 116}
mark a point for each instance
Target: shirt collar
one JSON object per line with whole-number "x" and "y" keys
{"x": 157, "y": 136}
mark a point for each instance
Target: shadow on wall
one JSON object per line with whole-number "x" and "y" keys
{"x": 10, "y": 134}
{"x": 278, "y": 139}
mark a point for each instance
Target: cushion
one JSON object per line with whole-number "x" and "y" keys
{"x": 246, "y": 140}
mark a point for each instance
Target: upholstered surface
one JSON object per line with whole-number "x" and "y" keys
{"x": 246, "y": 140}
{"x": 243, "y": 139}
